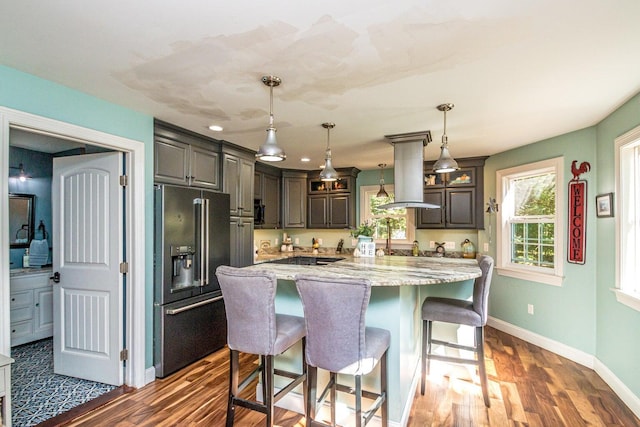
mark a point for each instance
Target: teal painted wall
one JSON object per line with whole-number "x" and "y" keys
{"x": 617, "y": 325}
{"x": 563, "y": 313}
{"x": 31, "y": 94}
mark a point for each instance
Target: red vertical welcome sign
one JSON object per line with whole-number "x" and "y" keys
{"x": 577, "y": 221}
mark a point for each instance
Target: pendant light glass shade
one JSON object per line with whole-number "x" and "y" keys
{"x": 328, "y": 173}
{"x": 270, "y": 151}
{"x": 382, "y": 192}
{"x": 445, "y": 163}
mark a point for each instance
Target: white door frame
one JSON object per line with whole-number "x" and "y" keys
{"x": 134, "y": 310}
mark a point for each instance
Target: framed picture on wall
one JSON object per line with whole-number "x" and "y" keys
{"x": 604, "y": 205}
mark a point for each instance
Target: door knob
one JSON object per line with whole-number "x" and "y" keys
{"x": 55, "y": 277}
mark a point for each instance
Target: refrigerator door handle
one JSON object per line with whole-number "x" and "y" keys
{"x": 172, "y": 311}
{"x": 205, "y": 273}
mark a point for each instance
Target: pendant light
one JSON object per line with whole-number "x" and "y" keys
{"x": 445, "y": 163}
{"x": 328, "y": 173}
{"x": 269, "y": 151}
{"x": 382, "y": 192}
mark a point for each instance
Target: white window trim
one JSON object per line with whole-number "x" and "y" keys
{"x": 504, "y": 267}
{"x": 623, "y": 296}
{"x": 411, "y": 225}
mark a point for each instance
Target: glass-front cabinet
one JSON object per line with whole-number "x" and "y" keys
{"x": 459, "y": 194}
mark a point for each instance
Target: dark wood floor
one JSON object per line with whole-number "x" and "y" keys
{"x": 529, "y": 386}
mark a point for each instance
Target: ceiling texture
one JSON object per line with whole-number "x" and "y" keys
{"x": 517, "y": 71}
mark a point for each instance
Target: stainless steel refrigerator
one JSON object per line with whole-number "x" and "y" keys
{"x": 191, "y": 240}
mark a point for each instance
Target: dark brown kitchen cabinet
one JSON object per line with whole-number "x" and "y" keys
{"x": 266, "y": 202}
{"x": 329, "y": 211}
{"x": 238, "y": 178}
{"x": 332, "y": 204}
{"x": 294, "y": 199}
{"x": 241, "y": 236}
{"x": 460, "y": 195}
{"x": 185, "y": 158}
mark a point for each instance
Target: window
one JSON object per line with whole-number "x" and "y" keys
{"x": 401, "y": 221}
{"x": 530, "y": 236}
{"x": 627, "y": 223}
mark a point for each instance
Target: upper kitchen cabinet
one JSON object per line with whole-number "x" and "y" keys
{"x": 185, "y": 158}
{"x": 332, "y": 204}
{"x": 460, "y": 195}
{"x": 266, "y": 197}
{"x": 238, "y": 178}
{"x": 294, "y": 199}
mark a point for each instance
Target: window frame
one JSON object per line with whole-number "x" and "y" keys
{"x": 550, "y": 276}
{"x": 627, "y": 200}
{"x": 410, "y": 215}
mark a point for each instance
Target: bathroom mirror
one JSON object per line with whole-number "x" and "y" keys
{"x": 21, "y": 219}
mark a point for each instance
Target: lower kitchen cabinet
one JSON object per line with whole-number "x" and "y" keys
{"x": 241, "y": 236}
{"x": 31, "y": 304}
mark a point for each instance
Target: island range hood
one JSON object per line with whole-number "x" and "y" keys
{"x": 408, "y": 175}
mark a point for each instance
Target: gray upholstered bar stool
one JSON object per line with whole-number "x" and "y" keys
{"x": 338, "y": 341}
{"x": 254, "y": 327}
{"x": 463, "y": 312}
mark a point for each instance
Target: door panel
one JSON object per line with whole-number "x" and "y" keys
{"x": 87, "y": 248}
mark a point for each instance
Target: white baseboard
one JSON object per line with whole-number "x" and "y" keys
{"x": 618, "y": 387}
{"x": 556, "y": 347}
{"x": 578, "y": 356}
{"x": 149, "y": 375}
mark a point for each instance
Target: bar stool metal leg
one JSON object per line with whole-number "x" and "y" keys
{"x": 233, "y": 386}
{"x": 481, "y": 367}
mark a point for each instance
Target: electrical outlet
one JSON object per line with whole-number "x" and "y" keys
{"x": 276, "y": 241}
{"x": 450, "y": 245}
{"x": 486, "y": 247}
{"x": 432, "y": 244}
{"x": 319, "y": 241}
{"x": 530, "y": 308}
{"x": 297, "y": 241}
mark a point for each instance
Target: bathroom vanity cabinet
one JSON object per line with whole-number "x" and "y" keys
{"x": 31, "y": 305}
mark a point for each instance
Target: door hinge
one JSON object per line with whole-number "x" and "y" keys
{"x": 124, "y": 267}
{"x": 124, "y": 354}
{"x": 124, "y": 180}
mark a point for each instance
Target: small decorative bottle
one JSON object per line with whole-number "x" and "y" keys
{"x": 25, "y": 258}
{"x": 415, "y": 249}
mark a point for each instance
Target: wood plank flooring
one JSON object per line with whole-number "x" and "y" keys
{"x": 529, "y": 386}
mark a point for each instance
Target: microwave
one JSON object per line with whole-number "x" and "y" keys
{"x": 258, "y": 212}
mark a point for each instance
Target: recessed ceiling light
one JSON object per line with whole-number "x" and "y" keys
{"x": 216, "y": 128}
{"x": 305, "y": 159}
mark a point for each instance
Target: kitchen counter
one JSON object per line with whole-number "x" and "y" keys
{"x": 400, "y": 284}
{"x": 382, "y": 271}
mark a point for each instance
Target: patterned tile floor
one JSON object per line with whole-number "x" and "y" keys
{"x": 37, "y": 393}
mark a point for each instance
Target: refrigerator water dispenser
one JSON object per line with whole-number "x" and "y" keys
{"x": 183, "y": 268}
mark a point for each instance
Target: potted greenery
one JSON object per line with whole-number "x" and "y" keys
{"x": 366, "y": 229}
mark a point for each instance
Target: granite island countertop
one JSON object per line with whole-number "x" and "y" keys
{"x": 382, "y": 271}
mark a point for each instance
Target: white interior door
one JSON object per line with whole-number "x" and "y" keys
{"x": 87, "y": 251}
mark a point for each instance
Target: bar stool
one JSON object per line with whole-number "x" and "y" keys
{"x": 463, "y": 312}
{"x": 338, "y": 341}
{"x": 254, "y": 327}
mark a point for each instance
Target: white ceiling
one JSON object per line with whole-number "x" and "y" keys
{"x": 517, "y": 71}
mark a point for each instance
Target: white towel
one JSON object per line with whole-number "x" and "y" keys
{"x": 38, "y": 252}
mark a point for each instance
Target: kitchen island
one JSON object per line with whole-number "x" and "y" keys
{"x": 400, "y": 284}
